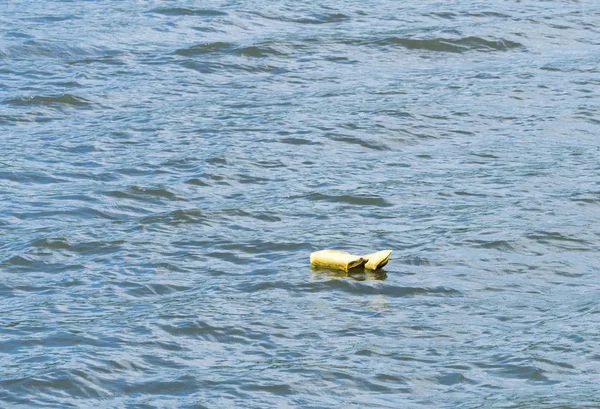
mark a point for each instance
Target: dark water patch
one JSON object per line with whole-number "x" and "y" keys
{"x": 485, "y": 155}
{"x": 553, "y": 236}
{"x": 450, "y": 45}
{"x": 257, "y": 51}
{"x": 197, "y": 182}
{"x": 51, "y": 243}
{"x": 16, "y": 119}
{"x": 323, "y": 18}
{"x": 16, "y": 261}
{"x": 229, "y": 257}
{"x": 206, "y": 67}
{"x": 347, "y": 199}
{"x": 52, "y": 19}
{"x": 177, "y": 217}
{"x": 157, "y": 386}
{"x": 269, "y": 164}
{"x": 494, "y": 14}
{"x": 341, "y": 60}
{"x": 104, "y": 60}
{"x": 213, "y": 333}
{"x": 217, "y": 160}
{"x": 298, "y": 141}
{"x": 30, "y": 177}
{"x": 205, "y": 48}
{"x": 183, "y": 11}
{"x": 463, "y": 193}
{"x": 139, "y": 193}
{"x": 315, "y": 18}
{"x": 57, "y": 50}
{"x": 592, "y": 197}
{"x": 153, "y": 290}
{"x": 266, "y": 248}
{"x": 249, "y": 179}
{"x": 275, "y": 389}
{"x": 524, "y": 372}
{"x": 361, "y": 142}
{"x": 102, "y": 177}
{"x": 75, "y": 383}
{"x": 416, "y": 261}
{"x": 90, "y": 247}
{"x": 358, "y": 287}
{"x": 454, "y": 378}
{"x": 444, "y": 15}
{"x": 233, "y": 214}
{"x": 501, "y": 245}
{"x": 57, "y": 100}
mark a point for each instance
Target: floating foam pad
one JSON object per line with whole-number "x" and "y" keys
{"x": 375, "y": 261}
{"x": 342, "y": 260}
{"x": 335, "y": 259}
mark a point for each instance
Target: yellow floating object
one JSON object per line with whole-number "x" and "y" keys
{"x": 335, "y": 259}
{"x": 342, "y": 260}
{"x": 375, "y": 261}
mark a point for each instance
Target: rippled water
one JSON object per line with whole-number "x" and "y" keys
{"x": 166, "y": 167}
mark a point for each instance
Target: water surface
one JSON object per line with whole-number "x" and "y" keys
{"x": 166, "y": 167}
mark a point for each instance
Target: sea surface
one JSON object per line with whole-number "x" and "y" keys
{"x": 166, "y": 168}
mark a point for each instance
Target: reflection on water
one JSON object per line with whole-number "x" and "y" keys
{"x": 358, "y": 274}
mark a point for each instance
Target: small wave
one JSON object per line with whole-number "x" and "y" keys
{"x": 188, "y": 216}
{"x": 265, "y": 216}
{"x": 64, "y": 99}
{"x": 453, "y": 378}
{"x": 501, "y": 245}
{"x": 206, "y": 67}
{"x": 58, "y": 243}
{"x": 52, "y": 19}
{"x": 529, "y": 373}
{"x": 106, "y": 59}
{"x": 255, "y": 51}
{"x": 58, "y": 50}
{"x": 358, "y": 287}
{"x": 197, "y": 182}
{"x": 265, "y": 247}
{"x": 143, "y": 194}
{"x": 154, "y": 290}
{"x": 40, "y": 178}
{"x": 297, "y": 141}
{"x": 360, "y": 141}
{"x": 204, "y": 48}
{"x": 586, "y": 198}
{"x": 16, "y": 261}
{"x": 95, "y": 247}
{"x": 456, "y": 45}
{"x": 324, "y": 18}
{"x": 183, "y": 11}
{"x": 543, "y": 236}
{"x": 317, "y": 18}
{"x": 349, "y": 199}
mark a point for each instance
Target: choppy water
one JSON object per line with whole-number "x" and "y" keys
{"x": 166, "y": 168}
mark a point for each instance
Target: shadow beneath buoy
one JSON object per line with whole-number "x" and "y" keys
{"x": 358, "y": 274}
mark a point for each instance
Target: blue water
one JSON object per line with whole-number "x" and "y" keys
{"x": 166, "y": 167}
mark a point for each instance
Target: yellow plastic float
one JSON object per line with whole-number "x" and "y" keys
{"x": 342, "y": 260}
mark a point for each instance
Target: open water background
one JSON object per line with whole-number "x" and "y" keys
{"x": 166, "y": 167}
